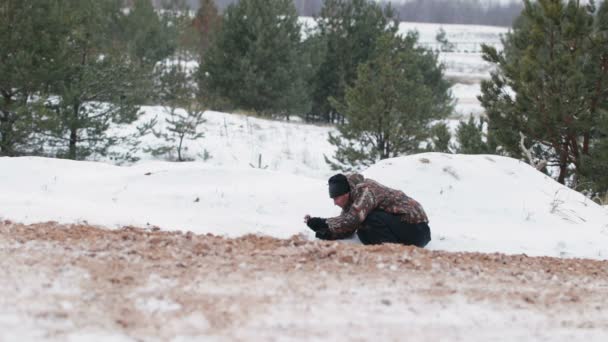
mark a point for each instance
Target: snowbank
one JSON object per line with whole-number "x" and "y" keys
{"x": 475, "y": 203}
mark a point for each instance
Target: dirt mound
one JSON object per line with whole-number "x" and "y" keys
{"x": 71, "y": 281}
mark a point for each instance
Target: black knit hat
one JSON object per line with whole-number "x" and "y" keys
{"x": 338, "y": 185}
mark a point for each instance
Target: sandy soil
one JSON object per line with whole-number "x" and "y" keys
{"x": 77, "y": 282}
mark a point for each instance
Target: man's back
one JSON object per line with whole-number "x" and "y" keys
{"x": 368, "y": 195}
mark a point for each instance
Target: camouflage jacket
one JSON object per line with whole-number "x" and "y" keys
{"x": 367, "y": 195}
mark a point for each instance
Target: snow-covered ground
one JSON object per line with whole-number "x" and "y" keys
{"x": 475, "y": 203}
{"x": 81, "y": 283}
{"x": 236, "y": 140}
{"x": 467, "y": 103}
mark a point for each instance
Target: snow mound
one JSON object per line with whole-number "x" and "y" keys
{"x": 490, "y": 203}
{"x": 478, "y": 203}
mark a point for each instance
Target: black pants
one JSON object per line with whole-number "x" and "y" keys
{"x": 380, "y": 227}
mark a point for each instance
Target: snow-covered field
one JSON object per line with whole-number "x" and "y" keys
{"x": 464, "y": 65}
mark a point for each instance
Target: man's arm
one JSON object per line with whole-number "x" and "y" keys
{"x": 321, "y": 229}
{"x": 348, "y": 222}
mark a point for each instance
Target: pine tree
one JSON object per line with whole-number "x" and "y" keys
{"x": 177, "y": 17}
{"x": 185, "y": 115}
{"x": 255, "y": 59}
{"x": 389, "y": 109}
{"x": 551, "y": 84}
{"x": 27, "y": 38}
{"x": 94, "y": 81}
{"x": 594, "y": 178}
{"x": 470, "y": 138}
{"x": 207, "y": 22}
{"x": 149, "y": 37}
{"x": 349, "y": 28}
{"x": 314, "y": 50}
{"x": 440, "y": 137}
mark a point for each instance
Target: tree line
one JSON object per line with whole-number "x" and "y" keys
{"x": 382, "y": 90}
{"x": 69, "y": 70}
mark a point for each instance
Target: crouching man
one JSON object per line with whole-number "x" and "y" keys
{"x": 376, "y": 212}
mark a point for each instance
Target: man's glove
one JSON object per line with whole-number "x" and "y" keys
{"x": 317, "y": 224}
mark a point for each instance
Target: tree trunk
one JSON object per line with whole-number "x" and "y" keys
{"x": 6, "y": 128}
{"x": 73, "y": 132}
{"x": 72, "y": 148}
{"x": 387, "y": 146}
{"x": 5, "y": 131}
{"x": 563, "y": 163}
{"x": 179, "y": 148}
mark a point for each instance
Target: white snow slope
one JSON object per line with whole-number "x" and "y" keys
{"x": 475, "y": 203}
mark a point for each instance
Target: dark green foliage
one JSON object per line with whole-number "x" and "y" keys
{"x": 149, "y": 38}
{"x": 70, "y": 69}
{"x": 28, "y": 34}
{"x": 440, "y": 137}
{"x": 314, "y": 51}
{"x": 551, "y": 84}
{"x": 388, "y": 110}
{"x": 176, "y": 17}
{"x": 349, "y": 29}
{"x": 470, "y": 138}
{"x": 255, "y": 60}
{"x": 95, "y": 82}
{"x": 594, "y": 175}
